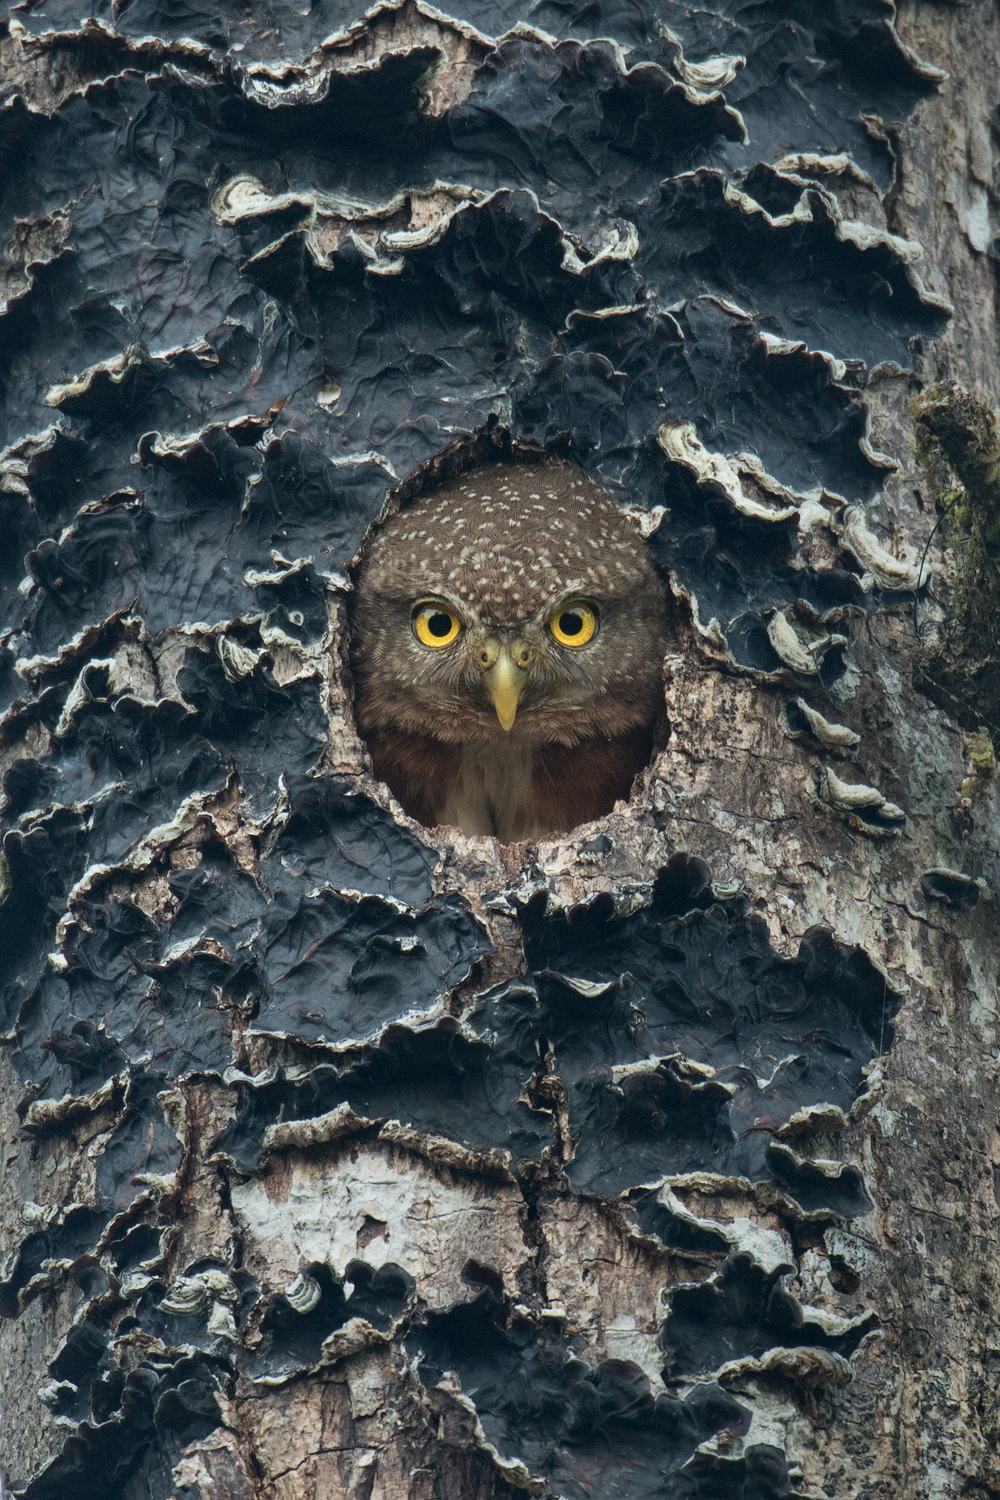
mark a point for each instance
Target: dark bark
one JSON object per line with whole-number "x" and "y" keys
{"x": 348, "y": 1158}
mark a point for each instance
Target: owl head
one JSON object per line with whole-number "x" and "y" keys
{"x": 519, "y": 602}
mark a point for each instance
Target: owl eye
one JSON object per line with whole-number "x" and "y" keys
{"x": 435, "y": 624}
{"x": 575, "y": 624}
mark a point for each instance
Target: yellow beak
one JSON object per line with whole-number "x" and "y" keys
{"x": 505, "y": 683}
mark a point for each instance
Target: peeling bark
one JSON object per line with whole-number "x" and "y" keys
{"x": 350, "y": 1157}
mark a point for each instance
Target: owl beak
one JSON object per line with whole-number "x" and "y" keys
{"x": 505, "y": 682}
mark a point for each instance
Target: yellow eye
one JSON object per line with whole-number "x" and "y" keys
{"x": 575, "y": 624}
{"x": 435, "y": 624}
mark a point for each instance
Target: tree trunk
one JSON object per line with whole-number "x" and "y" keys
{"x": 346, "y": 1157}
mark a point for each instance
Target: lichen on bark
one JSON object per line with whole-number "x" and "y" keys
{"x": 957, "y": 443}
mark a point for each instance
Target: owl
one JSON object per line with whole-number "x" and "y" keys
{"x": 507, "y": 645}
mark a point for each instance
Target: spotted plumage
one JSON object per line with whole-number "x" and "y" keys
{"x": 507, "y": 648}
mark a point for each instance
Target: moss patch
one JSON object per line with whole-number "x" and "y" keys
{"x": 957, "y": 439}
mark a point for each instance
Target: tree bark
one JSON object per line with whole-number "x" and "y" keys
{"x": 346, "y": 1157}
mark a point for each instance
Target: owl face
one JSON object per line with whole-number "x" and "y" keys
{"x": 519, "y": 602}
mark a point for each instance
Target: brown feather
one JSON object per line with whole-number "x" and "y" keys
{"x": 577, "y": 785}
{"x": 567, "y": 785}
{"x": 416, "y": 769}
